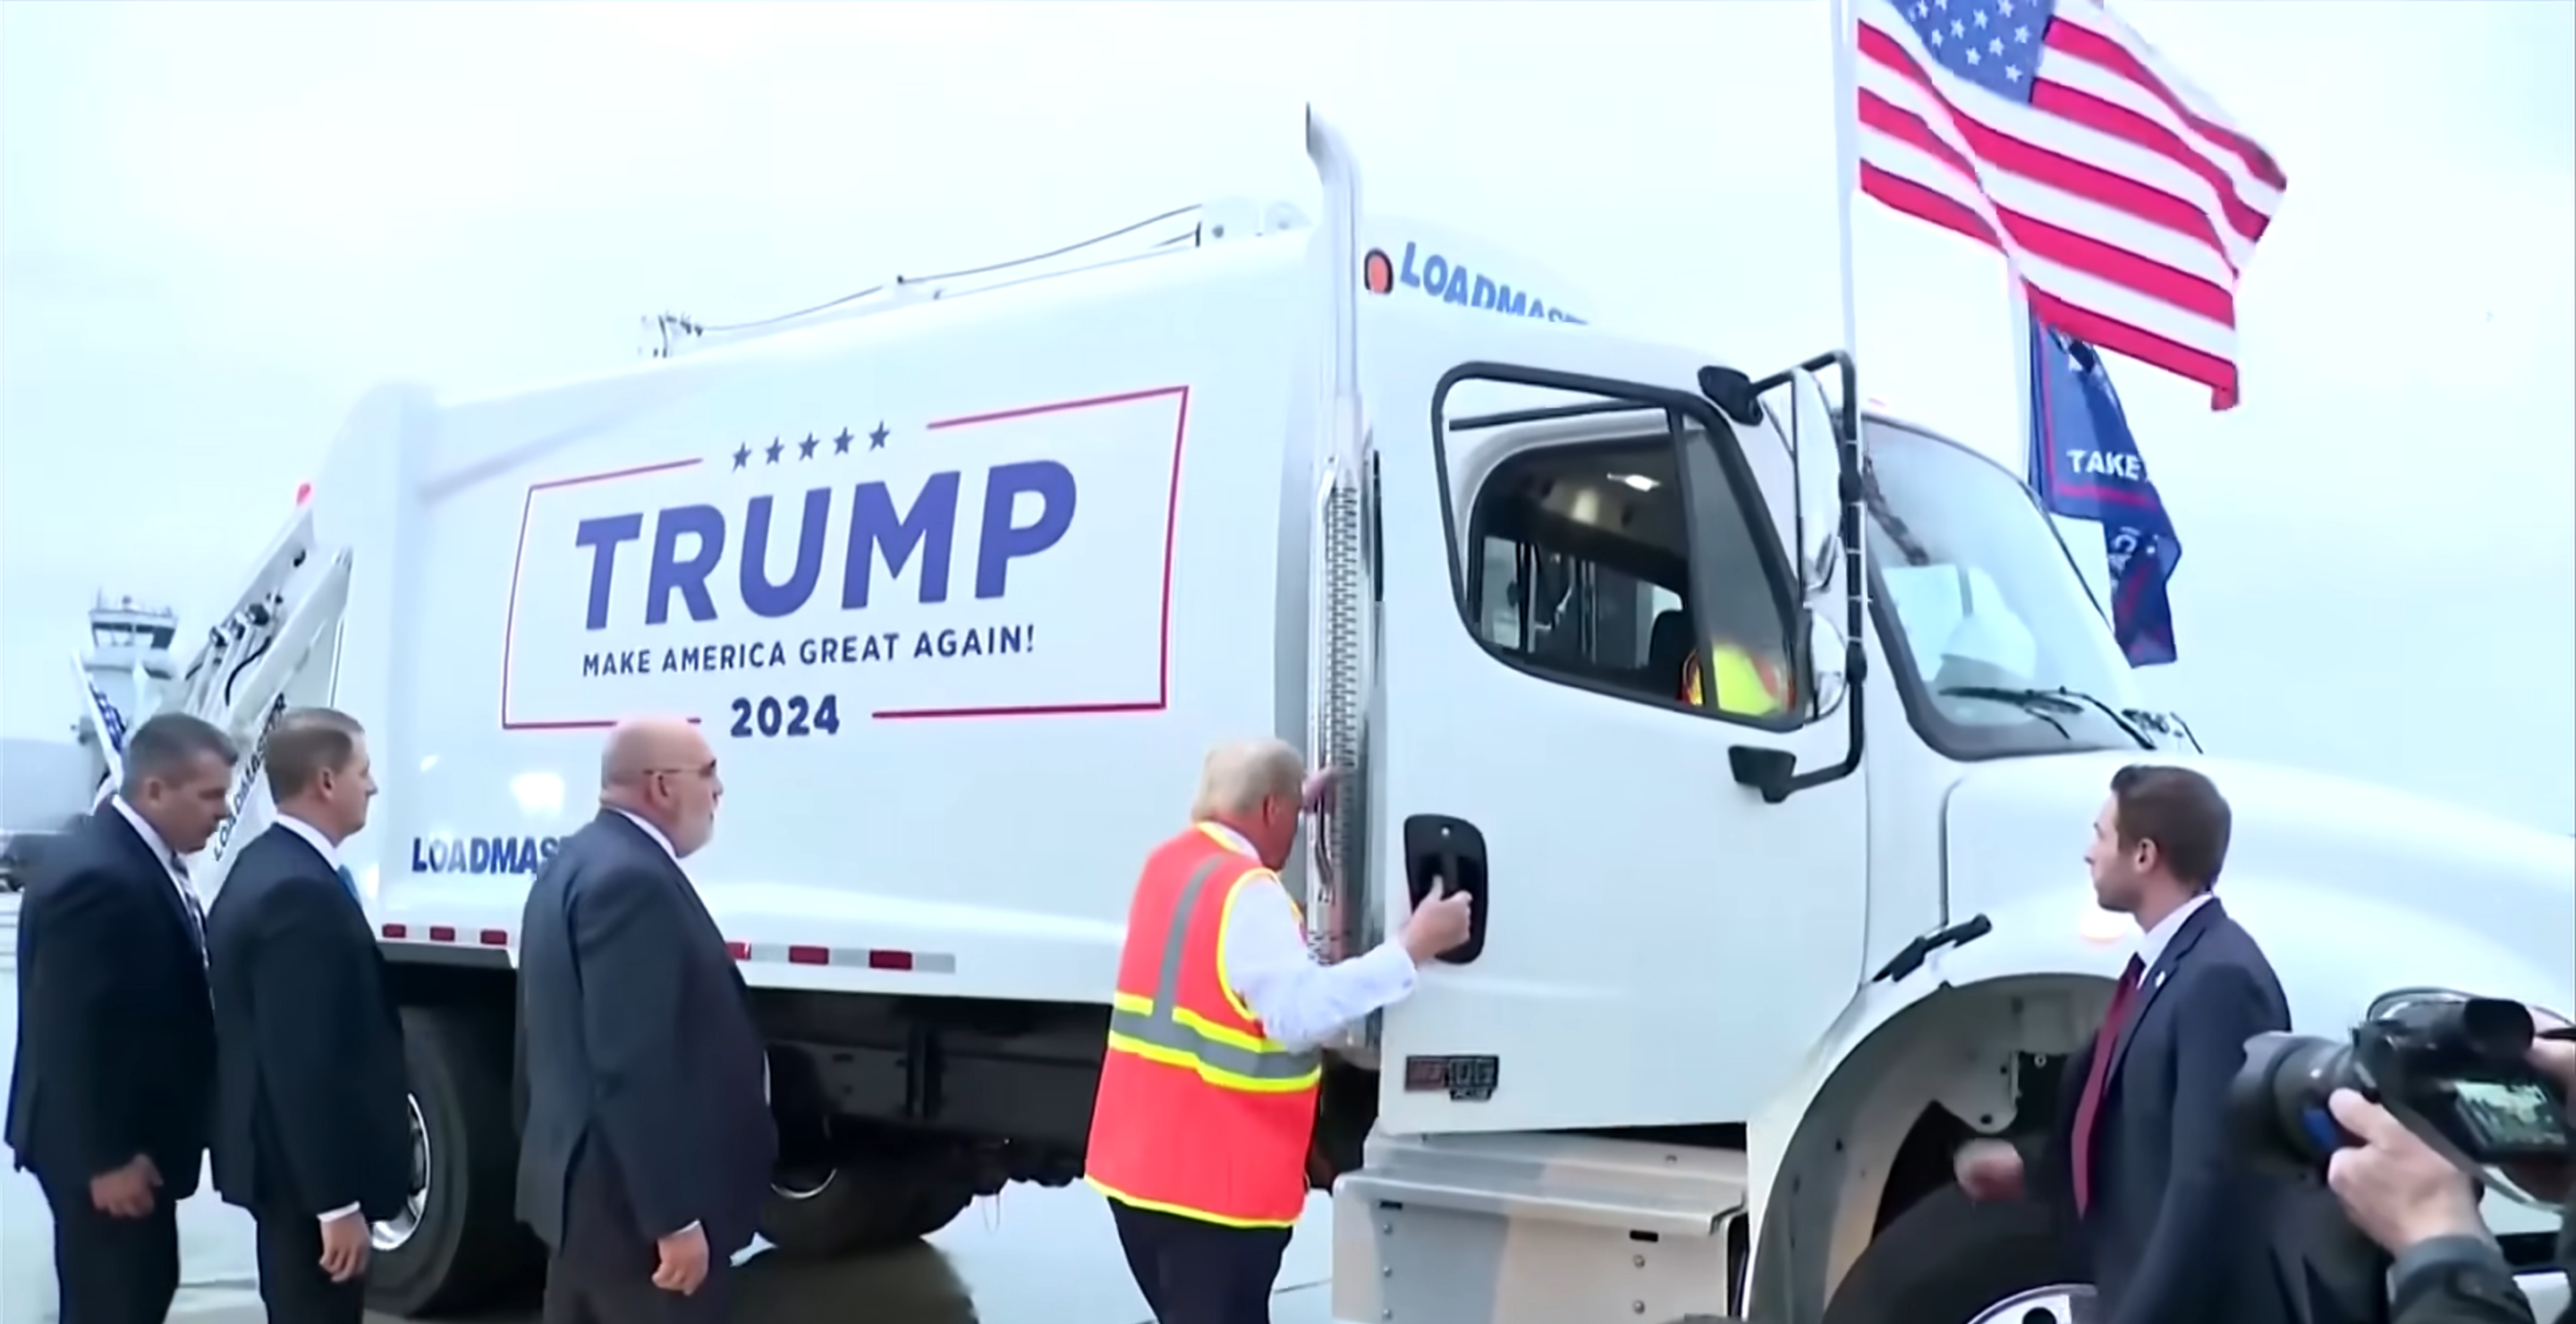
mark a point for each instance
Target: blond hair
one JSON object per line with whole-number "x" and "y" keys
{"x": 1238, "y": 776}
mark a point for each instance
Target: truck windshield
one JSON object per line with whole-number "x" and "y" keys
{"x": 1998, "y": 645}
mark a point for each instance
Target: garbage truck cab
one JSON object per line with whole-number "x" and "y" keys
{"x": 962, "y": 581}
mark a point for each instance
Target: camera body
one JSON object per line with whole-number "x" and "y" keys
{"x": 2456, "y": 1070}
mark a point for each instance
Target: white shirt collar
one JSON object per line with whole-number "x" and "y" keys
{"x": 160, "y": 849}
{"x": 1229, "y": 838}
{"x": 2151, "y": 947}
{"x": 312, "y": 837}
{"x": 651, "y": 831}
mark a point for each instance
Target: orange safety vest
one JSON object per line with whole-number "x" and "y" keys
{"x": 1200, "y": 1113}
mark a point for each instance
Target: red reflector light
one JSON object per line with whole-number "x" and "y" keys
{"x": 442, "y": 933}
{"x": 395, "y": 931}
{"x": 303, "y": 493}
{"x": 809, "y": 956}
{"x": 496, "y": 937}
{"x": 741, "y": 950}
{"x": 889, "y": 960}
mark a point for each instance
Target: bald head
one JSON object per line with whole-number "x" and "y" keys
{"x": 641, "y": 746}
{"x": 661, "y": 770}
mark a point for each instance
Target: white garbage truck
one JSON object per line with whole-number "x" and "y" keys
{"x": 963, "y": 578}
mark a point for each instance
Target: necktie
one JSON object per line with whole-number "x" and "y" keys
{"x": 2088, "y": 1105}
{"x": 349, "y": 883}
{"x": 188, "y": 896}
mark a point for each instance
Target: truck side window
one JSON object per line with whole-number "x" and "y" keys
{"x": 1585, "y": 572}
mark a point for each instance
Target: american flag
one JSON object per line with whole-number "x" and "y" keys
{"x": 2125, "y": 200}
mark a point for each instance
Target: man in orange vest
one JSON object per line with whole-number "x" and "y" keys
{"x": 1207, "y": 1093}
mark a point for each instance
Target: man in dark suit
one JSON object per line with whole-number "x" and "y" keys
{"x": 2182, "y": 1230}
{"x": 312, "y": 1133}
{"x": 109, "y": 1095}
{"x": 648, "y": 1143}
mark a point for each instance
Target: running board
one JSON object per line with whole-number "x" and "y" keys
{"x": 1536, "y": 1229}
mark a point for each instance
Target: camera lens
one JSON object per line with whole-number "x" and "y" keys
{"x": 2278, "y": 1100}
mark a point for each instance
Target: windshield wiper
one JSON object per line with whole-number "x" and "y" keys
{"x": 2166, "y": 724}
{"x": 2038, "y": 703}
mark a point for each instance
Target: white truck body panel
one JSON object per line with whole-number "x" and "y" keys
{"x": 1004, "y": 750}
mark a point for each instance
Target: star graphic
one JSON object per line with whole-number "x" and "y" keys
{"x": 774, "y": 449}
{"x": 741, "y": 456}
{"x": 877, "y": 439}
{"x": 841, "y": 443}
{"x": 805, "y": 448}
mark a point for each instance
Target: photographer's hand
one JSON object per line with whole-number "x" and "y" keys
{"x": 2397, "y": 1190}
{"x": 2554, "y": 1058}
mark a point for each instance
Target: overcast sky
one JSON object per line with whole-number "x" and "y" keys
{"x": 220, "y": 223}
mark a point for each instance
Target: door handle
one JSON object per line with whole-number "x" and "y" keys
{"x": 1437, "y": 846}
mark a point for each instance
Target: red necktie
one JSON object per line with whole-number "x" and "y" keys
{"x": 2088, "y": 1106}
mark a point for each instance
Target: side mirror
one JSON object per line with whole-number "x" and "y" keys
{"x": 1815, "y": 453}
{"x": 1828, "y": 653}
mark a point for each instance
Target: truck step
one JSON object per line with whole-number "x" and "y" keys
{"x": 1596, "y": 1230}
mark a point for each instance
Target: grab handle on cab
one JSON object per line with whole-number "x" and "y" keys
{"x": 1439, "y": 847}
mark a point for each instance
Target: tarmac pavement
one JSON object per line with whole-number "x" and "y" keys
{"x": 1028, "y": 1256}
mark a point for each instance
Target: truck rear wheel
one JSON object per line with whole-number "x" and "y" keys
{"x": 458, "y": 1242}
{"x": 1952, "y": 1260}
{"x": 863, "y": 1204}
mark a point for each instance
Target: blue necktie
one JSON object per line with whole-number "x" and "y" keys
{"x": 349, "y": 881}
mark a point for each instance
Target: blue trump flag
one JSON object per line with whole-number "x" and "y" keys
{"x": 2085, "y": 465}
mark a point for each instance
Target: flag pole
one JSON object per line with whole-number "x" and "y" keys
{"x": 2025, "y": 353}
{"x": 1847, "y": 162}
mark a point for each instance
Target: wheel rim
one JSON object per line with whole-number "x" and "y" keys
{"x": 2054, "y": 1304}
{"x": 795, "y": 1185}
{"x": 393, "y": 1232}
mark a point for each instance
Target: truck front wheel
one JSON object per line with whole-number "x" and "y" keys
{"x": 1952, "y": 1260}
{"x": 863, "y": 1204}
{"x": 457, "y": 1243}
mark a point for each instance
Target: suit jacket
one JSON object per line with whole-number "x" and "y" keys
{"x": 310, "y": 1105}
{"x": 2182, "y": 1228}
{"x": 116, "y": 1040}
{"x": 637, "y": 1044}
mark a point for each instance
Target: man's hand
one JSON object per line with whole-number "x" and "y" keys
{"x": 1320, "y": 785}
{"x": 684, "y": 1261}
{"x": 126, "y": 1192}
{"x": 2554, "y": 1058}
{"x": 1439, "y": 924}
{"x": 344, "y": 1246}
{"x": 2394, "y": 1186}
{"x": 1989, "y": 1170}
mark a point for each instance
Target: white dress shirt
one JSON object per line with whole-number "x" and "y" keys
{"x": 312, "y": 837}
{"x": 170, "y": 866}
{"x": 659, "y": 839}
{"x": 160, "y": 849}
{"x": 1264, "y": 960}
{"x": 331, "y": 856}
{"x": 2152, "y": 945}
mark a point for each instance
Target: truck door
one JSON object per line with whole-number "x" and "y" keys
{"x": 1587, "y": 606}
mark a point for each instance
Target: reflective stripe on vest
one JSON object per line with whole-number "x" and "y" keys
{"x": 1161, "y": 1030}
